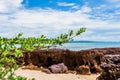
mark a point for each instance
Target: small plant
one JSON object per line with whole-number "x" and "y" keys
{"x": 13, "y": 48}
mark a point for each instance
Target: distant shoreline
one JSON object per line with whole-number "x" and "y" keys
{"x": 84, "y": 45}
{"x": 84, "y": 41}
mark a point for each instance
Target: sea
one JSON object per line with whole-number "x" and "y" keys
{"x": 84, "y": 45}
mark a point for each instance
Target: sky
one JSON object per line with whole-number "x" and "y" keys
{"x": 53, "y": 17}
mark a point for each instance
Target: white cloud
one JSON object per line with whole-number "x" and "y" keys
{"x": 66, "y": 4}
{"x": 99, "y": 38}
{"x": 72, "y": 5}
{"x": 9, "y": 5}
{"x": 113, "y": 3}
{"x": 109, "y": 10}
{"x": 58, "y": 20}
{"x": 86, "y": 9}
{"x": 51, "y": 22}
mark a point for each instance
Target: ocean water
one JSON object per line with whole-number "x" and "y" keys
{"x": 83, "y": 45}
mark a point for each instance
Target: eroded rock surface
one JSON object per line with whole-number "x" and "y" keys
{"x": 111, "y": 68}
{"x": 84, "y": 70}
{"x": 72, "y": 59}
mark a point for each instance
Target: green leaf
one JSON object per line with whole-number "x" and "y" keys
{"x": 81, "y": 30}
{"x": 20, "y": 34}
{"x": 65, "y": 36}
{"x": 18, "y": 53}
{"x": 6, "y": 52}
{"x": 71, "y": 33}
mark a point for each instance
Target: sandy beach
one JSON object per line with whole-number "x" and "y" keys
{"x": 38, "y": 75}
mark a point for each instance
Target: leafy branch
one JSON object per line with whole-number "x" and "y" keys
{"x": 11, "y": 49}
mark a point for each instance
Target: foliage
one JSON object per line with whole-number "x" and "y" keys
{"x": 11, "y": 49}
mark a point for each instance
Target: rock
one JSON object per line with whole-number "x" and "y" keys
{"x": 71, "y": 71}
{"x": 85, "y": 70}
{"x": 46, "y": 70}
{"x": 111, "y": 68}
{"x": 71, "y": 59}
{"x": 58, "y": 68}
{"x": 97, "y": 69}
{"x": 31, "y": 67}
{"x": 63, "y": 67}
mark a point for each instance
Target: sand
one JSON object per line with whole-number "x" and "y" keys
{"x": 38, "y": 75}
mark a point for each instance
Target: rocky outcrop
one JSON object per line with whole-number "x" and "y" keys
{"x": 72, "y": 59}
{"x": 111, "y": 68}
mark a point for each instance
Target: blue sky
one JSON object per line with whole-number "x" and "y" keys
{"x": 53, "y": 17}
